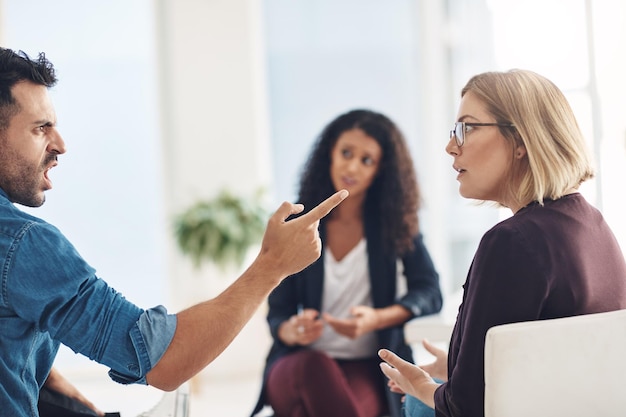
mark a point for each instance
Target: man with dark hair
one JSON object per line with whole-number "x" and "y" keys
{"x": 51, "y": 295}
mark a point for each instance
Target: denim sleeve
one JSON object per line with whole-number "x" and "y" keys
{"x": 151, "y": 335}
{"x": 50, "y": 286}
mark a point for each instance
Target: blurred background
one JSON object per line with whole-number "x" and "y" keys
{"x": 163, "y": 103}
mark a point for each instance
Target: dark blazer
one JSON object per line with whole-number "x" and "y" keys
{"x": 423, "y": 297}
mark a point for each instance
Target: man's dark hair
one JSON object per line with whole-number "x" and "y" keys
{"x": 16, "y": 67}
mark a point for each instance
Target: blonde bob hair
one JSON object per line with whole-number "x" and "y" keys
{"x": 557, "y": 158}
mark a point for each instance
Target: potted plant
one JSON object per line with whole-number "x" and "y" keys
{"x": 221, "y": 229}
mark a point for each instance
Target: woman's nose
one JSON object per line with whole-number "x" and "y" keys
{"x": 452, "y": 148}
{"x": 353, "y": 164}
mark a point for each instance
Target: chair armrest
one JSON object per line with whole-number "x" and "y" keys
{"x": 436, "y": 328}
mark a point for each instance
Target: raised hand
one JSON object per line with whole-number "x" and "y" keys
{"x": 204, "y": 330}
{"x": 290, "y": 246}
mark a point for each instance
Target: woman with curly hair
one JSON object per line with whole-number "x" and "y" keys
{"x": 375, "y": 273}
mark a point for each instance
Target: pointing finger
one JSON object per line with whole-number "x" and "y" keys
{"x": 325, "y": 206}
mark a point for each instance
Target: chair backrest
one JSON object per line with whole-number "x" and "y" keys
{"x": 574, "y": 366}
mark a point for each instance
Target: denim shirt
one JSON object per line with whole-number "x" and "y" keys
{"x": 50, "y": 295}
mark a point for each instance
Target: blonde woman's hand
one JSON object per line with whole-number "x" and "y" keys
{"x": 439, "y": 368}
{"x": 408, "y": 378}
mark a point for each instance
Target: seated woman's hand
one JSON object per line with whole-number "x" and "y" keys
{"x": 302, "y": 329}
{"x": 363, "y": 320}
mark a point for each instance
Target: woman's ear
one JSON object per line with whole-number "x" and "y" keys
{"x": 520, "y": 152}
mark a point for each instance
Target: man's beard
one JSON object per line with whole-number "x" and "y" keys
{"x": 23, "y": 186}
{"x": 25, "y": 192}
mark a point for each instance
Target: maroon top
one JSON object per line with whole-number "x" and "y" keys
{"x": 545, "y": 262}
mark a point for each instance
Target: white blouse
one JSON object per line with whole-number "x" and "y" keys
{"x": 346, "y": 284}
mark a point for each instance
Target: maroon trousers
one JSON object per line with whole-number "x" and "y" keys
{"x": 309, "y": 383}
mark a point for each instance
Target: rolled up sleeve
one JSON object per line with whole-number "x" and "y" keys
{"x": 151, "y": 336}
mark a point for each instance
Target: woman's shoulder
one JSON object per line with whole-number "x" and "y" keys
{"x": 537, "y": 227}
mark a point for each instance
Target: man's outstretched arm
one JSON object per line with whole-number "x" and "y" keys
{"x": 206, "y": 329}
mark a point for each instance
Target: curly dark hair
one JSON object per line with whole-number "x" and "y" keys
{"x": 393, "y": 198}
{"x": 16, "y": 67}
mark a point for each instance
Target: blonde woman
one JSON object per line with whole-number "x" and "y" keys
{"x": 516, "y": 142}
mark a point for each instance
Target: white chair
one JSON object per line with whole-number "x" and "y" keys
{"x": 172, "y": 404}
{"x": 569, "y": 367}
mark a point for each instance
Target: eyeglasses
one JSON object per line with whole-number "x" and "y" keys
{"x": 460, "y": 128}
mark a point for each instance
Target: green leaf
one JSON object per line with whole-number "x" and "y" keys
{"x": 221, "y": 229}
